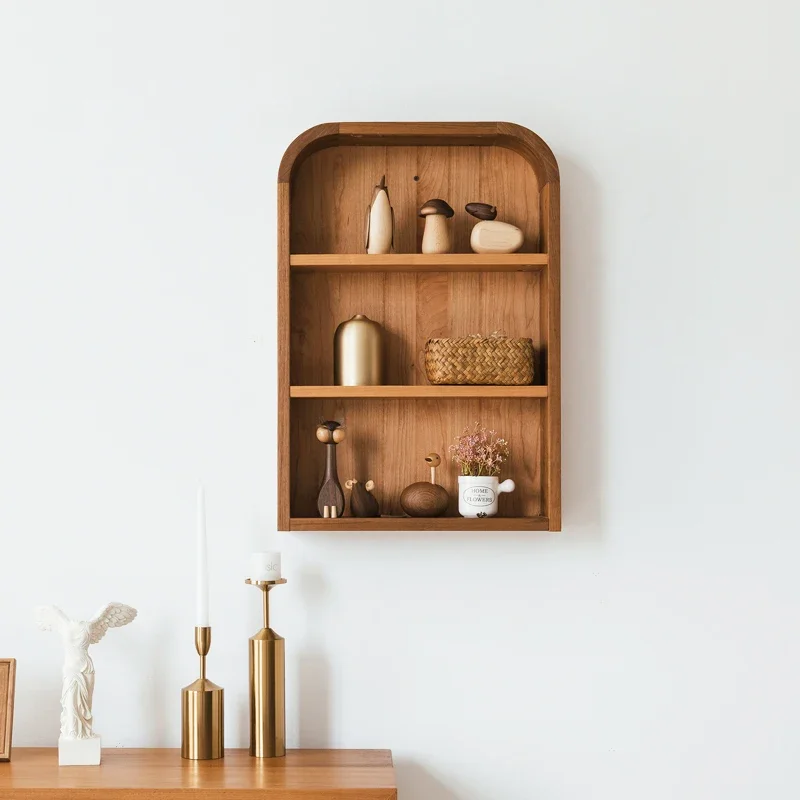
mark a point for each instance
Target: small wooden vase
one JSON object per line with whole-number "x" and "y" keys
{"x": 423, "y": 499}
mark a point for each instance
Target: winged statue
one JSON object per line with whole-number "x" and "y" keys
{"x": 77, "y": 685}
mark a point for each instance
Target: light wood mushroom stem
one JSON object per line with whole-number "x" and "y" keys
{"x": 436, "y": 238}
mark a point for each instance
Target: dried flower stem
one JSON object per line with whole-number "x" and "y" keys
{"x": 479, "y": 451}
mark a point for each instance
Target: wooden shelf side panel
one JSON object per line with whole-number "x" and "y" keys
{"x": 387, "y": 441}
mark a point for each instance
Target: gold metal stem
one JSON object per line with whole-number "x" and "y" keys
{"x": 202, "y": 643}
{"x": 265, "y": 592}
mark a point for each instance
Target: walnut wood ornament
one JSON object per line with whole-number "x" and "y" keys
{"x": 379, "y": 235}
{"x": 481, "y": 210}
{"x": 362, "y": 502}
{"x": 436, "y": 237}
{"x": 491, "y": 236}
{"x": 330, "y": 501}
{"x": 425, "y": 499}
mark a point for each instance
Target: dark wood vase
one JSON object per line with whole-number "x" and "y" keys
{"x": 331, "y": 493}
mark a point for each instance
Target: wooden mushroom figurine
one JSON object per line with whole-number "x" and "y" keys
{"x": 330, "y": 501}
{"x": 425, "y": 499}
{"x": 380, "y": 221}
{"x": 436, "y": 237}
{"x": 362, "y": 502}
{"x": 491, "y": 236}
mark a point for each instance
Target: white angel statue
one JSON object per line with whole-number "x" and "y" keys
{"x": 77, "y": 686}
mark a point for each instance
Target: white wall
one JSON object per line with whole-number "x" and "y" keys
{"x": 649, "y": 650}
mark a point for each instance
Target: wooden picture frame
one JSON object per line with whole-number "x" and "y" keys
{"x": 8, "y": 669}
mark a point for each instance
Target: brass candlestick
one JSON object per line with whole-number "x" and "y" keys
{"x": 267, "y": 685}
{"x": 202, "y": 710}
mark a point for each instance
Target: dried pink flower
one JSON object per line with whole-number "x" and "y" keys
{"x": 479, "y": 451}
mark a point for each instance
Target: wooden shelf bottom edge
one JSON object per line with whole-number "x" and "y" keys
{"x": 459, "y": 524}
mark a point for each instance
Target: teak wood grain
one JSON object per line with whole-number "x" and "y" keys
{"x": 412, "y": 308}
{"x": 324, "y": 277}
{"x": 156, "y": 774}
{"x": 418, "y": 262}
{"x": 8, "y": 668}
{"x": 387, "y": 441}
{"x": 430, "y": 392}
{"x": 459, "y": 524}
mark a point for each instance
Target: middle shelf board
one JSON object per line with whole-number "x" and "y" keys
{"x": 416, "y": 262}
{"x": 429, "y": 392}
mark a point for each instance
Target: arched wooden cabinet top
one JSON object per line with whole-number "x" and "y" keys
{"x": 502, "y": 134}
{"x": 325, "y": 183}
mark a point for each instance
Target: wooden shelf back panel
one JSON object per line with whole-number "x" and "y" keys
{"x": 387, "y": 441}
{"x": 416, "y": 262}
{"x": 412, "y": 307}
{"x": 429, "y": 392}
{"x": 333, "y": 187}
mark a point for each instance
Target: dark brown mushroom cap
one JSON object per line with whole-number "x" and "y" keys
{"x": 436, "y": 207}
{"x": 481, "y": 210}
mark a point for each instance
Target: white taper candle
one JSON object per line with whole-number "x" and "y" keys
{"x": 202, "y": 562}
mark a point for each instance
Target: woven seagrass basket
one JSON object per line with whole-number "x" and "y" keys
{"x": 480, "y": 360}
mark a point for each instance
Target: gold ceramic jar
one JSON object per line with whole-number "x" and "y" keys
{"x": 358, "y": 353}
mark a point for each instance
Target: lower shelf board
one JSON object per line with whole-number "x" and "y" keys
{"x": 419, "y": 524}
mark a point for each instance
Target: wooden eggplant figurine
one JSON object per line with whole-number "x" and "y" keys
{"x": 330, "y": 501}
{"x": 425, "y": 499}
{"x": 362, "y": 502}
{"x": 380, "y": 222}
{"x": 436, "y": 237}
{"x": 491, "y": 236}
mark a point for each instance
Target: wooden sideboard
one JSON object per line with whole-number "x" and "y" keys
{"x": 155, "y": 774}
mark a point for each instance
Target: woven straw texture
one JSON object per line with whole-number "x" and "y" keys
{"x": 480, "y": 361}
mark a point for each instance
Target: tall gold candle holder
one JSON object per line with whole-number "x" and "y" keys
{"x": 202, "y": 710}
{"x": 267, "y": 685}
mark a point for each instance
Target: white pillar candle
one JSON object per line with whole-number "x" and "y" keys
{"x": 202, "y": 562}
{"x": 265, "y": 566}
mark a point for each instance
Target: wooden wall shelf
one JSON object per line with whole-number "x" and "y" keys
{"x": 325, "y": 183}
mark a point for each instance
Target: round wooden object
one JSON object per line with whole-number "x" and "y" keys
{"x": 492, "y": 236}
{"x": 424, "y": 500}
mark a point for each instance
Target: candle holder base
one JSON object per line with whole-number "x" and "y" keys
{"x": 202, "y": 710}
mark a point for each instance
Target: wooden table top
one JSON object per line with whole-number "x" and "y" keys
{"x": 153, "y": 774}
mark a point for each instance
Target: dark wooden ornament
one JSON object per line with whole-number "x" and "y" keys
{"x": 424, "y": 499}
{"x": 436, "y": 206}
{"x": 481, "y": 210}
{"x": 362, "y": 502}
{"x": 331, "y": 496}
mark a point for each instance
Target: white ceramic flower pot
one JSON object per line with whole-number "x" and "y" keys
{"x": 477, "y": 496}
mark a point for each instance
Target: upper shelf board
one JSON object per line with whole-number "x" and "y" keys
{"x": 430, "y": 392}
{"x": 415, "y": 262}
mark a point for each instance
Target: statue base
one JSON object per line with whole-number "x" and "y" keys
{"x": 79, "y": 752}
